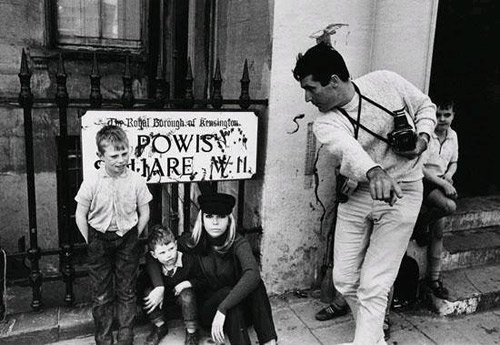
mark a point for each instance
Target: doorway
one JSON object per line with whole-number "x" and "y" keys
{"x": 466, "y": 68}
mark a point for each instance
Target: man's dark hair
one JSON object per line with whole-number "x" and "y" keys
{"x": 321, "y": 62}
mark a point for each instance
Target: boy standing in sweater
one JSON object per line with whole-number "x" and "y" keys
{"x": 375, "y": 223}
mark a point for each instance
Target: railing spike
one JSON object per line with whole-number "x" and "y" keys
{"x": 126, "y": 73}
{"x": 217, "y": 74}
{"x": 60, "y": 66}
{"x": 245, "y": 82}
{"x": 95, "y": 66}
{"x": 189, "y": 73}
{"x": 128, "y": 96}
{"x": 217, "y": 87}
{"x": 24, "y": 64}
{"x": 245, "y": 72}
{"x": 95, "y": 85}
{"x": 189, "y": 96}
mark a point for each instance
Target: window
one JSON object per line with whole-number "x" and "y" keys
{"x": 99, "y": 23}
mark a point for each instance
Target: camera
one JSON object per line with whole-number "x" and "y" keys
{"x": 403, "y": 137}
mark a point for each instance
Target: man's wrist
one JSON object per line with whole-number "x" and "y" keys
{"x": 426, "y": 138}
{"x": 376, "y": 169}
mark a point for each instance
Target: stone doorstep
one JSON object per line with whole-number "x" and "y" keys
{"x": 475, "y": 212}
{"x": 471, "y": 248}
{"x": 471, "y": 289}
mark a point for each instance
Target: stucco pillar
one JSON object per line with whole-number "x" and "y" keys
{"x": 403, "y": 38}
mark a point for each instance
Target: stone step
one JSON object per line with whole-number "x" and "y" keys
{"x": 471, "y": 248}
{"x": 471, "y": 289}
{"x": 474, "y": 212}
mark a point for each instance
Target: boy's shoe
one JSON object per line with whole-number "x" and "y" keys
{"x": 387, "y": 328}
{"x": 331, "y": 312}
{"x": 438, "y": 288}
{"x": 192, "y": 338}
{"x": 156, "y": 335}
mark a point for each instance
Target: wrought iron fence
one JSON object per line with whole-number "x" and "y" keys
{"x": 62, "y": 101}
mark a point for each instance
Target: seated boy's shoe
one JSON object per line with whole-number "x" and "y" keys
{"x": 387, "y": 328}
{"x": 192, "y": 338}
{"x": 330, "y": 312}
{"x": 156, "y": 335}
{"x": 438, "y": 289}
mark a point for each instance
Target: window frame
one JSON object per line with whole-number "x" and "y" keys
{"x": 53, "y": 39}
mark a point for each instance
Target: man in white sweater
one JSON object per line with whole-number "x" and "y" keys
{"x": 374, "y": 225}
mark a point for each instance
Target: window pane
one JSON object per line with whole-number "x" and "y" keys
{"x": 78, "y": 18}
{"x": 98, "y": 21}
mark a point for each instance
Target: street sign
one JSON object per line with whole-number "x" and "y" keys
{"x": 179, "y": 146}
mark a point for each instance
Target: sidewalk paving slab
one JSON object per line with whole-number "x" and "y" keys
{"x": 477, "y": 329}
{"x": 294, "y": 320}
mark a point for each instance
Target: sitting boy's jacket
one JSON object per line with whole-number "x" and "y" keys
{"x": 187, "y": 269}
{"x": 119, "y": 196}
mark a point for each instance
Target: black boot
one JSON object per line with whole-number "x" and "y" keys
{"x": 156, "y": 335}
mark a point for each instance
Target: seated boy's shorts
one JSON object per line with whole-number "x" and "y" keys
{"x": 428, "y": 188}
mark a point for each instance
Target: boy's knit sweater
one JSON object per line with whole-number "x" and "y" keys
{"x": 357, "y": 157}
{"x": 190, "y": 271}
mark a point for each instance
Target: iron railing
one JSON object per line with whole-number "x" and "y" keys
{"x": 62, "y": 101}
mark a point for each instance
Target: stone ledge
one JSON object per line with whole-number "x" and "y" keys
{"x": 471, "y": 290}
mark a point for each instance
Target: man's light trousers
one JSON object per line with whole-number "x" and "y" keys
{"x": 371, "y": 238}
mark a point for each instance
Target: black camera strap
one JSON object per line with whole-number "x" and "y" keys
{"x": 357, "y": 123}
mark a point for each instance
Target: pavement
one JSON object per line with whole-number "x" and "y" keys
{"x": 294, "y": 319}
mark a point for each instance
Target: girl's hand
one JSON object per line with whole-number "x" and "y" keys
{"x": 181, "y": 286}
{"x": 218, "y": 327}
{"x": 154, "y": 299}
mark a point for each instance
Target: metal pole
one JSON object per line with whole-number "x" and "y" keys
{"x": 62, "y": 100}
{"x": 26, "y": 101}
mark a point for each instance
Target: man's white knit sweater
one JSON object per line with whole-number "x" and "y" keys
{"x": 357, "y": 157}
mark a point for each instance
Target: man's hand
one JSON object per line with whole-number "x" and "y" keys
{"x": 421, "y": 146}
{"x": 154, "y": 299}
{"x": 218, "y": 327}
{"x": 383, "y": 187}
{"x": 181, "y": 286}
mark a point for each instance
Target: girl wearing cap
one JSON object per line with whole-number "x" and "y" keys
{"x": 235, "y": 293}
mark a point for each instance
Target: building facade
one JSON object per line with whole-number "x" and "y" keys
{"x": 289, "y": 201}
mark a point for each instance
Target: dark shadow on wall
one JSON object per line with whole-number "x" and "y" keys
{"x": 465, "y": 67}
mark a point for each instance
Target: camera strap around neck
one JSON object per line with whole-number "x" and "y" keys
{"x": 357, "y": 123}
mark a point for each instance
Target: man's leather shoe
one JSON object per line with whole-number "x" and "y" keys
{"x": 331, "y": 312}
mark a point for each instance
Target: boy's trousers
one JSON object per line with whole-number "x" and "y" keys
{"x": 254, "y": 309}
{"x": 113, "y": 269}
{"x": 186, "y": 300}
{"x": 371, "y": 238}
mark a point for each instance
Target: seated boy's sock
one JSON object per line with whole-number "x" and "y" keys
{"x": 192, "y": 337}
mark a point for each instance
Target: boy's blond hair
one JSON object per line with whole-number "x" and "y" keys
{"x": 111, "y": 135}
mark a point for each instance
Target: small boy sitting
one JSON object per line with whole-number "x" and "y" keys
{"x": 439, "y": 193}
{"x": 172, "y": 273}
